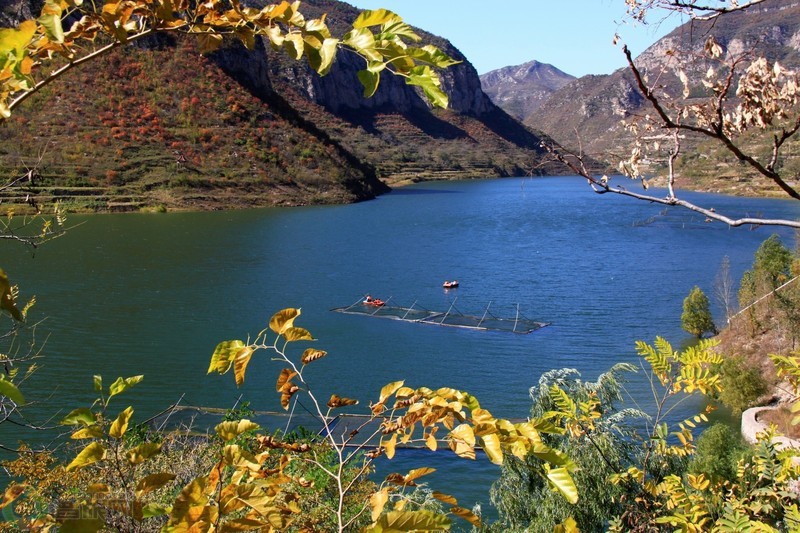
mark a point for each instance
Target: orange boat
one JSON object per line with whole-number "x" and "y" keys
{"x": 450, "y": 284}
{"x": 376, "y": 302}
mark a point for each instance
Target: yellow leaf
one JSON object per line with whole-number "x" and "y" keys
{"x": 389, "y": 389}
{"x": 209, "y": 42}
{"x": 418, "y": 473}
{"x": 286, "y": 394}
{"x": 431, "y": 442}
{"x": 230, "y": 430}
{"x": 223, "y": 356}
{"x": 240, "y": 363}
{"x": 446, "y": 498}
{"x": 336, "y": 401}
{"x": 284, "y": 377}
{"x": 13, "y": 492}
{"x": 561, "y": 479}
{"x": 297, "y": 334}
{"x": 375, "y": 17}
{"x": 463, "y": 433}
{"x": 491, "y": 445}
{"x": 467, "y": 515}
{"x": 390, "y": 445}
{"x": 120, "y": 425}
{"x": 91, "y": 454}
{"x": 142, "y": 452}
{"x": 283, "y": 320}
{"x": 153, "y": 482}
{"x": 91, "y": 432}
{"x": 378, "y": 501}
{"x": 312, "y": 354}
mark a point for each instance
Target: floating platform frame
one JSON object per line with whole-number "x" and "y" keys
{"x": 452, "y": 317}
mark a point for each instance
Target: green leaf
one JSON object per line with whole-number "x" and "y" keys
{"x": 428, "y": 81}
{"x": 562, "y": 480}
{"x": 121, "y": 385}
{"x": 98, "y": 383}
{"x": 120, "y": 425}
{"x": 6, "y": 296}
{"x": 91, "y": 454}
{"x": 230, "y": 430}
{"x": 370, "y": 82}
{"x": 432, "y": 55}
{"x": 363, "y": 42}
{"x": 375, "y": 17}
{"x": 81, "y": 415}
{"x": 10, "y": 391}
{"x": 154, "y": 509}
{"x": 223, "y": 356}
{"x": 51, "y": 20}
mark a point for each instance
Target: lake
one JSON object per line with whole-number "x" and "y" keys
{"x": 153, "y": 294}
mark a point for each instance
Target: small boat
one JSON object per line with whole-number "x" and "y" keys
{"x": 375, "y": 302}
{"x": 450, "y": 284}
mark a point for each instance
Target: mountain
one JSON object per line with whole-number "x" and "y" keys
{"x": 519, "y": 90}
{"x": 156, "y": 124}
{"x": 594, "y": 105}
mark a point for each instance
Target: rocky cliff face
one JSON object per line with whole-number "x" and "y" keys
{"x": 339, "y": 91}
{"x": 519, "y": 90}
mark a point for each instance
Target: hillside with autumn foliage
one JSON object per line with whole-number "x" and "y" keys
{"x": 158, "y": 125}
{"x": 177, "y": 132}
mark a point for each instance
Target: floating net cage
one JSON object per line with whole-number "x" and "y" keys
{"x": 452, "y": 317}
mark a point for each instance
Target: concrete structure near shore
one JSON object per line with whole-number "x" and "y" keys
{"x": 751, "y": 427}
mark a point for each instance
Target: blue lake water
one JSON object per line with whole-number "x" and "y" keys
{"x": 153, "y": 294}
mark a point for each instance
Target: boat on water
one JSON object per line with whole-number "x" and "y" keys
{"x": 375, "y": 302}
{"x": 450, "y": 284}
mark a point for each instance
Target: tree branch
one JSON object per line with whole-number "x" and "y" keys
{"x": 602, "y": 186}
{"x": 715, "y": 133}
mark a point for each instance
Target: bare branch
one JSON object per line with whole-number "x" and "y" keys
{"x": 602, "y": 186}
{"x": 715, "y": 132}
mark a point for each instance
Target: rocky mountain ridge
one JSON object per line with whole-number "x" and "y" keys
{"x": 594, "y": 106}
{"x": 521, "y": 89}
{"x": 588, "y": 112}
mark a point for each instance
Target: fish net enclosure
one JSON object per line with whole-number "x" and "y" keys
{"x": 452, "y": 317}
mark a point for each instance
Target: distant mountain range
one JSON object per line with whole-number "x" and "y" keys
{"x": 593, "y": 106}
{"x": 156, "y": 124}
{"x": 521, "y": 89}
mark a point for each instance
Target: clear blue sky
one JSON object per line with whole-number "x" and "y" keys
{"x": 573, "y": 35}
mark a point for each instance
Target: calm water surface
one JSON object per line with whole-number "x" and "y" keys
{"x": 153, "y": 294}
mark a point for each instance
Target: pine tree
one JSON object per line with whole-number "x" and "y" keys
{"x": 696, "y": 317}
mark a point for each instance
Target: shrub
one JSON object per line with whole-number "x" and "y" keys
{"x": 741, "y": 384}
{"x": 718, "y": 452}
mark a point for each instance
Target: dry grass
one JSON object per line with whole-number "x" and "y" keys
{"x": 782, "y": 419}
